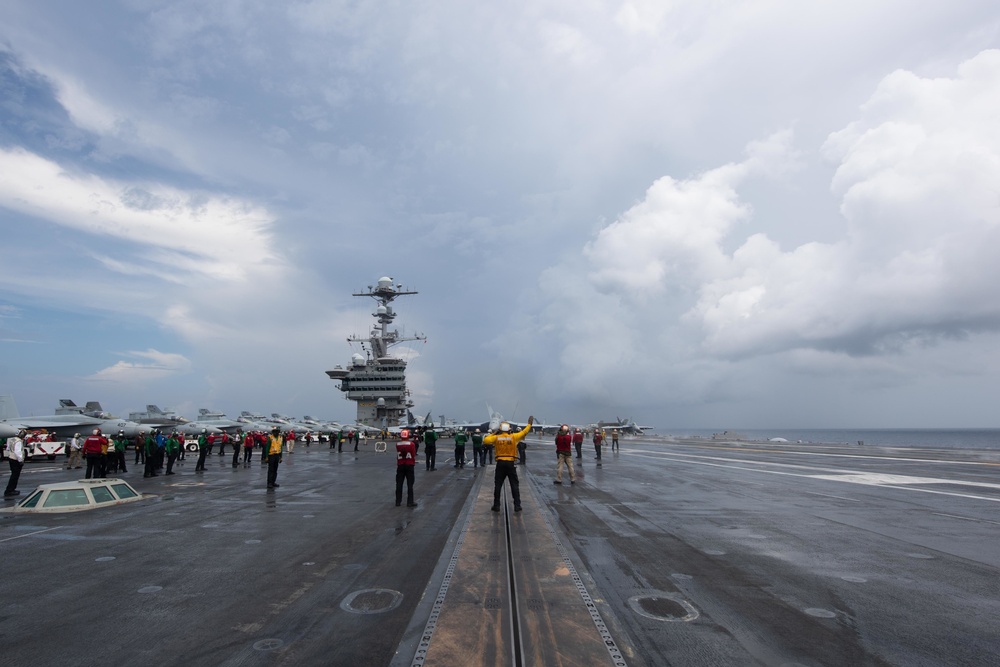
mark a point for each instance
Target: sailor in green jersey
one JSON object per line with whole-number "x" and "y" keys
{"x": 202, "y": 451}
{"x": 430, "y": 446}
{"x": 460, "y": 439}
{"x": 149, "y": 442}
{"x": 116, "y": 459}
{"x": 172, "y": 448}
{"x": 478, "y": 451}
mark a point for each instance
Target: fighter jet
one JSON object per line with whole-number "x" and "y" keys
{"x": 256, "y": 422}
{"x": 69, "y": 418}
{"x": 167, "y": 420}
{"x": 284, "y": 422}
{"x": 157, "y": 418}
{"x": 215, "y": 419}
{"x": 624, "y": 426}
{"x": 410, "y": 422}
{"x": 493, "y": 424}
{"x": 319, "y": 426}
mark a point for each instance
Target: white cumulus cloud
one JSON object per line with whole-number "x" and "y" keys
{"x": 680, "y": 288}
{"x": 149, "y": 365}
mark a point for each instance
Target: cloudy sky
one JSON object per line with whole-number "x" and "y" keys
{"x": 743, "y": 213}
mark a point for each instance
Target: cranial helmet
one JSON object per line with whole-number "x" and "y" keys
{"x": 505, "y": 427}
{"x": 405, "y": 433}
{"x": 97, "y": 431}
{"x": 478, "y": 431}
{"x": 564, "y": 427}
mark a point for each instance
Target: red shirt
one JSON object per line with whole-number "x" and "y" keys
{"x": 406, "y": 453}
{"x": 564, "y": 443}
{"x": 578, "y": 437}
{"x": 94, "y": 444}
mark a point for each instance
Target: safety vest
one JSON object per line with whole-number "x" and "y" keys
{"x": 506, "y": 447}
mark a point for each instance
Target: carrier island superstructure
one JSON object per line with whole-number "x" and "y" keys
{"x": 376, "y": 380}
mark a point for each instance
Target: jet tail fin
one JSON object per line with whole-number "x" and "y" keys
{"x": 8, "y": 409}
{"x": 68, "y": 407}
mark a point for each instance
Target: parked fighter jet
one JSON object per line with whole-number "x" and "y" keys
{"x": 257, "y": 422}
{"x": 624, "y": 426}
{"x": 493, "y": 424}
{"x": 286, "y": 423}
{"x": 215, "y": 419}
{"x": 410, "y": 422}
{"x": 167, "y": 420}
{"x": 319, "y": 427}
{"x": 157, "y": 418}
{"x": 69, "y": 418}
{"x": 254, "y": 422}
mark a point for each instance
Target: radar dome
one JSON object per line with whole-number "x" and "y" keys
{"x": 381, "y": 310}
{"x": 380, "y": 402}
{"x": 357, "y": 359}
{"x": 385, "y": 282}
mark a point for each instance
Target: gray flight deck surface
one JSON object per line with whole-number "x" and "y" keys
{"x": 671, "y": 553}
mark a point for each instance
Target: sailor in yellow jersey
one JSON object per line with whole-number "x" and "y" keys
{"x": 274, "y": 449}
{"x": 505, "y": 444}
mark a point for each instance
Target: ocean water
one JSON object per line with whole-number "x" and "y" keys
{"x": 962, "y": 438}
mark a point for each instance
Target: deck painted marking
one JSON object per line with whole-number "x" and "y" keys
{"x": 966, "y": 518}
{"x": 830, "y": 495}
{"x": 17, "y": 537}
{"x": 842, "y": 456}
{"x": 902, "y": 482}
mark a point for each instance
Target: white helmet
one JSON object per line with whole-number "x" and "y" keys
{"x": 505, "y": 427}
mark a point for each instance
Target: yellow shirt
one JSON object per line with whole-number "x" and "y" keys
{"x": 506, "y": 443}
{"x": 276, "y": 443}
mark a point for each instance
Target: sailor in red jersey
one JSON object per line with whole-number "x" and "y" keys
{"x": 578, "y": 442}
{"x": 564, "y": 454}
{"x": 93, "y": 447}
{"x": 406, "y": 457}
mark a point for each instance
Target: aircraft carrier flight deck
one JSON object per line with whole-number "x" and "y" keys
{"x": 672, "y": 552}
